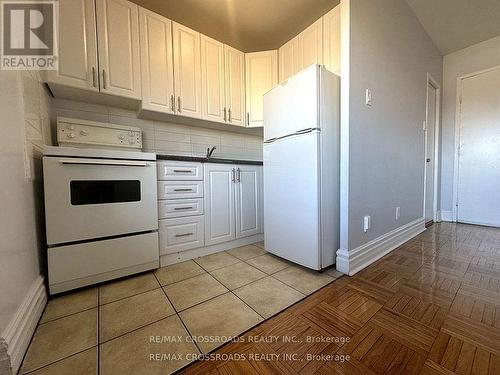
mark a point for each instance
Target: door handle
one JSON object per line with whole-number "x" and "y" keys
{"x": 104, "y": 79}
{"x": 179, "y": 104}
{"x": 248, "y": 119}
{"x": 229, "y": 114}
{"x": 104, "y": 162}
{"x": 233, "y": 178}
{"x": 94, "y": 77}
{"x": 238, "y": 175}
{"x": 225, "y": 114}
{"x": 172, "y": 103}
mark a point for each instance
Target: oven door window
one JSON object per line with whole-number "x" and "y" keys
{"x": 103, "y": 191}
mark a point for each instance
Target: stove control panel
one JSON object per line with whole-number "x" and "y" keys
{"x": 82, "y": 133}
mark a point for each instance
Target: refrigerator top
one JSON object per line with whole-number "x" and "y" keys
{"x": 293, "y": 105}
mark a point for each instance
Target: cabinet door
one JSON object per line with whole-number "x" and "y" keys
{"x": 288, "y": 59}
{"x": 248, "y": 201}
{"x": 118, "y": 37}
{"x": 331, "y": 40}
{"x": 77, "y": 46}
{"x": 212, "y": 80}
{"x": 219, "y": 203}
{"x": 187, "y": 71}
{"x": 235, "y": 86}
{"x": 156, "y": 62}
{"x": 261, "y": 76}
{"x": 311, "y": 45}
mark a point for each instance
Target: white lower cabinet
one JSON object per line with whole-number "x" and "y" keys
{"x": 181, "y": 234}
{"x": 233, "y": 202}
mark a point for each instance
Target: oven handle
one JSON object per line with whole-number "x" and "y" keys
{"x": 124, "y": 163}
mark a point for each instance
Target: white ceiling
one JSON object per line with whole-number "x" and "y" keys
{"x": 456, "y": 24}
{"x": 249, "y": 25}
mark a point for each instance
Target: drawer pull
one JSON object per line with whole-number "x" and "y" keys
{"x": 183, "y": 208}
{"x": 183, "y": 189}
{"x": 182, "y": 171}
{"x": 184, "y": 235}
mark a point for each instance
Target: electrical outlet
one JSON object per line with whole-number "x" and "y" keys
{"x": 398, "y": 213}
{"x": 367, "y": 223}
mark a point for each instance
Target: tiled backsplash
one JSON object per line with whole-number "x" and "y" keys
{"x": 165, "y": 137}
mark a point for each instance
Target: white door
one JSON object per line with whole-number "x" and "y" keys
{"x": 219, "y": 203}
{"x": 291, "y": 198}
{"x": 479, "y": 159}
{"x": 187, "y": 71}
{"x": 293, "y": 106}
{"x": 261, "y": 76}
{"x": 212, "y": 80}
{"x": 248, "y": 209}
{"x": 288, "y": 59}
{"x": 311, "y": 45}
{"x": 430, "y": 148}
{"x": 118, "y": 37}
{"x": 331, "y": 40}
{"x": 77, "y": 46}
{"x": 235, "y": 86}
{"x": 157, "y": 62}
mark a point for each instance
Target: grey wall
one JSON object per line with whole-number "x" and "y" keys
{"x": 481, "y": 56}
{"x": 390, "y": 54}
{"x": 24, "y": 117}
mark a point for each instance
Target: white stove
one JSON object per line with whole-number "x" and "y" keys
{"x": 101, "y": 214}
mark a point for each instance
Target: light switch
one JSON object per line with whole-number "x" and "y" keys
{"x": 367, "y": 223}
{"x": 368, "y": 97}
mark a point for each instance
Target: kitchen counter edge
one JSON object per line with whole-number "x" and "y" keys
{"x": 207, "y": 160}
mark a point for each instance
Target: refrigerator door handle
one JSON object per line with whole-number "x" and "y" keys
{"x": 299, "y": 132}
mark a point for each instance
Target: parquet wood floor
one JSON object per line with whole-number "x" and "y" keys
{"x": 432, "y": 306}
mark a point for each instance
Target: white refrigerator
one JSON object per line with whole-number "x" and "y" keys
{"x": 301, "y": 168}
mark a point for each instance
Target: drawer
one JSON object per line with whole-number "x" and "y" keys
{"x": 180, "y": 208}
{"x": 181, "y": 234}
{"x": 180, "y": 189}
{"x": 177, "y": 170}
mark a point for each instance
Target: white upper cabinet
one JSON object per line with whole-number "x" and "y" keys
{"x": 235, "y": 86}
{"x": 248, "y": 200}
{"x": 311, "y": 45}
{"x": 261, "y": 76}
{"x": 157, "y": 64}
{"x": 212, "y": 80}
{"x": 331, "y": 40}
{"x": 187, "y": 71}
{"x": 118, "y": 38}
{"x": 289, "y": 59}
{"x": 77, "y": 46}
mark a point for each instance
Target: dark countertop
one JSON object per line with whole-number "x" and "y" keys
{"x": 206, "y": 160}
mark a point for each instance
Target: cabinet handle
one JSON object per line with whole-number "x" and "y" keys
{"x": 184, "y": 234}
{"x": 179, "y": 104}
{"x": 248, "y": 118}
{"x": 225, "y": 114}
{"x": 238, "y": 175}
{"x": 229, "y": 114}
{"x": 172, "y": 103}
{"x": 94, "y": 77}
{"x": 182, "y": 171}
{"x": 183, "y": 189}
{"x": 104, "y": 79}
{"x": 182, "y": 208}
{"x": 233, "y": 178}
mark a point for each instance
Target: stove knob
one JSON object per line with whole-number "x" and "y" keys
{"x": 84, "y": 133}
{"x": 71, "y": 135}
{"x": 71, "y": 127}
{"x": 121, "y": 137}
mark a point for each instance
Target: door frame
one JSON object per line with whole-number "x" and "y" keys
{"x": 458, "y": 133}
{"x": 437, "y": 133}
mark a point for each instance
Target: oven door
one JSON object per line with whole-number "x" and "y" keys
{"x": 96, "y": 198}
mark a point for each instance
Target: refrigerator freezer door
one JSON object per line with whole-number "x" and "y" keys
{"x": 293, "y": 105}
{"x": 291, "y": 199}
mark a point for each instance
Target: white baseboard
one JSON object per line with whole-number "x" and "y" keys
{"x": 352, "y": 261}
{"x": 18, "y": 333}
{"x": 182, "y": 256}
{"x": 445, "y": 216}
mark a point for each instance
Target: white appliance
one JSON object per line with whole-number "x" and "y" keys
{"x": 301, "y": 168}
{"x": 101, "y": 213}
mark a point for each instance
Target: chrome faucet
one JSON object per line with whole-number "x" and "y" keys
{"x": 210, "y": 151}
